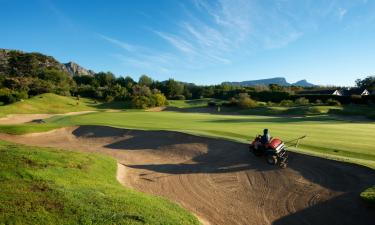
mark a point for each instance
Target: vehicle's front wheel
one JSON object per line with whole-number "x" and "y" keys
{"x": 271, "y": 159}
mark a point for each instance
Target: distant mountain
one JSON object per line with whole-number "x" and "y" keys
{"x": 276, "y": 80}
{"x": 19, "y": 63}
{"x": 303, "y": 83}
{"x": 76, "y": 70}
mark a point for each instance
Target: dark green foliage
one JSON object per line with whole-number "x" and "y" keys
{"x": 333, "y": 102}
{"x": 301, "y": 101}
{"x": 145, "y": 80}
{"x": 368, "y": 83}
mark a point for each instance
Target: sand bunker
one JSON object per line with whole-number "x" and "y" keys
{"x": 220, "y": 181}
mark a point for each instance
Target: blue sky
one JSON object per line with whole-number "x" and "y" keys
{"x": 206, "y": 42}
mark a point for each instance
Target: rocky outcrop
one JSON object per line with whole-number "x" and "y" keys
{"x": 76, "y": 70}
{"x": 19, "y": 63}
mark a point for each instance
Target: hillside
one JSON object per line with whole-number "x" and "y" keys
{"x": 50, "y": 186}
{"x": 49, "y": 103}
{"x": 17, "y": 63}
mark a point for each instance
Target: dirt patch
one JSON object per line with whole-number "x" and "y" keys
{"x": 220, "y": 181}
{"x": 26, "y": 118}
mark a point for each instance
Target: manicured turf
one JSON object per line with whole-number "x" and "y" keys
{"x": 189, "y": 103}
{"x": 48, "y": 186}
{"x": 326, "y": 136}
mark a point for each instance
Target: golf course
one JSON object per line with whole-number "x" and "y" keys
{"x": 183, "y": 157}
{"x": 195, "y": 112}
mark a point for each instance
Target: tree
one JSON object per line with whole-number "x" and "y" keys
{"x": 141, "y": 90}
{"x": 173, "y": 88}
{"x": 105, "y": 78}
{"x": 368, "y": 83}
{"x": 145, "y": 80}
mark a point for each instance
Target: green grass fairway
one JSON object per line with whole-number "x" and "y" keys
{"x": 326, "y": 136}
{"x": 48, "y": 186}
{"x": 189, "y": 103}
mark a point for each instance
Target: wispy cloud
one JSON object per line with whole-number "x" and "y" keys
{"x": 177, "y": 42}
{"x": 220, "y": 32}
{"x": 121, "y": 44}
{"x": 341, "y": 13}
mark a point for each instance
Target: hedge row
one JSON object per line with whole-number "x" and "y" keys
{"x": 356, "y": 99}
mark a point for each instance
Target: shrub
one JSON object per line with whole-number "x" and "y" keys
{"x": 179, "y": 97}
{"x": 286, "y": 103}
{"x": 245, "y": 101}
{"x": 109, "y": 98}
{"x": 301, "y": 101}
{"x": 159, "y": 100}
{"x": 319, "y": 102}
{"x": 144, "y": 102}
{"x": 333, "y": 102}
{"x": 269, "y": 103}
{"x": 140, "y": 102}
{"x": 211, "y": 104}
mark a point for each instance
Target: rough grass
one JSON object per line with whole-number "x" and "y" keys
{"x": 48, "y": 186}
{"x": 369, "y": 195}
{"x": 51, "y": 103}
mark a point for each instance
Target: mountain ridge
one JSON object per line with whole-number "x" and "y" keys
{"x": 275, "y": 80}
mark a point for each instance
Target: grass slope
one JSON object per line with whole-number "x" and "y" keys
{"x": 48, "y": 103}
{"x": 48, "y": 186}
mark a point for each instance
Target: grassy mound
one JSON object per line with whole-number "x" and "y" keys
{"x": 195, "y": 103}
{"x": 48, "y": 103}
{"x": 369, "y": 195}
{"x": 47, "y": 186}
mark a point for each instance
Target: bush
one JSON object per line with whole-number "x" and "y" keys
{"x": 179, "y": 97}
{"x": 245, "y": 101}
{"x": 286, "y": 103}
{"x": 211, "y": 104}
{"x": 319, "y": 102}
{"x": 109, "y": 98}
{"x": 333, "y": 102}
{"x": 140, "y": 102}
{"x": 144, "y": 102}
{"x": 159, "y": 100}
{"x": 301, "y": 101}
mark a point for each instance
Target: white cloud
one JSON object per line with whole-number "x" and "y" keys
{"x": 341, "y": 13}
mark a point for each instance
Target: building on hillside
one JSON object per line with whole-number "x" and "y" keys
{"x": 354, "y": 91}
{"x": 321, "y": 92}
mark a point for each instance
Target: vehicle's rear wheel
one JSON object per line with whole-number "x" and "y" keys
{"x": 271, "y": 159}
{"x": 257, "y": 152}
